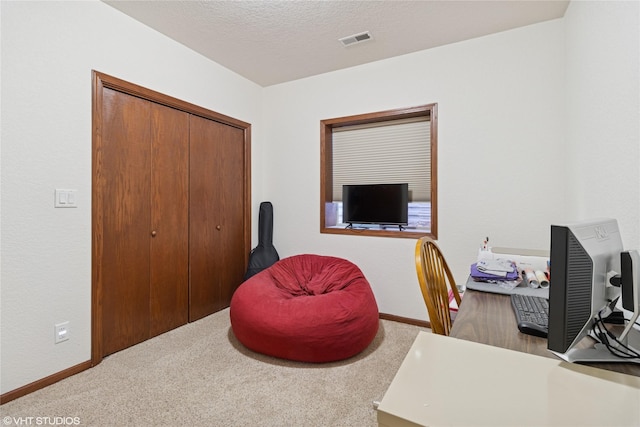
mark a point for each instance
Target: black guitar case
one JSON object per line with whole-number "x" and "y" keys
{"x": 264, "y": 255}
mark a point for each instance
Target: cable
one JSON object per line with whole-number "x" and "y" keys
{"x": 602, "y": 337}
{"x": 600, "y": 330}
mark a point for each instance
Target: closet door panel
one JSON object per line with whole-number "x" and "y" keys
{"x": 216, "y": 215}
{"x": 169, "y": 225}
{"x": 125, "y": 179}
{"x": 203, "y": 219}
{"x": 230, "y": 242}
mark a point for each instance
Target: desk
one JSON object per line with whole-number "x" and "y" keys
{"x": 448, "y": 381}
{"x": 488, "y": 318}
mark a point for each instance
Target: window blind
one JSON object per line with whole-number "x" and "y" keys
{"x": 391, "y": 152}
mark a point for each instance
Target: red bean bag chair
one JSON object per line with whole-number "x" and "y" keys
{"x": 308, "y": 308}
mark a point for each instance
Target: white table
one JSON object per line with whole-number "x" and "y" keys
{"x": 449, "y": 381}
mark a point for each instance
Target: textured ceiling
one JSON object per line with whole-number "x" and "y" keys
{"x": 271, "y": 42}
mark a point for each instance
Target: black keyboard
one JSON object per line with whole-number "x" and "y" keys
{"x": 532, "y": 314}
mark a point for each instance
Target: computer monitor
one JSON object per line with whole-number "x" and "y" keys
{"x": 585, "y": 256}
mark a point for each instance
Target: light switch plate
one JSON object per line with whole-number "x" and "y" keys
{"x": 66, "y": 198}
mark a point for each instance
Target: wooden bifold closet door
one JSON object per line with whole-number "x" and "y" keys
{"x": 170, "y": 217}
{"x": 146, "y": 225}
{"x": 216, "y": 229}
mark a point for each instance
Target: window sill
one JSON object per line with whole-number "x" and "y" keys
{"x": 377, "y": 231}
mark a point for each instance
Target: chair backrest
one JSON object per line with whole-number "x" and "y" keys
{"x": 435, "y": 280}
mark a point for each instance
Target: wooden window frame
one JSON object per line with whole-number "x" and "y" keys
{"x": 326, "y": 166}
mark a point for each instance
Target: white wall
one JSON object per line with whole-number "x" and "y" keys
{"x": 48, "y": 52}
{"x": 501, "y": 132}
{"x": 603, "y": 113}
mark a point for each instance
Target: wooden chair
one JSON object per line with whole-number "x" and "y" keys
{"x": 436, "y": 284}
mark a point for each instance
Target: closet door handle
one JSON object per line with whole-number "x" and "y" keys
{"x": 154, "y": 233}
{"x": 218, "y": 227}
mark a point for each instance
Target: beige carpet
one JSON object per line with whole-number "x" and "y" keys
{"x": 200, "y": 375}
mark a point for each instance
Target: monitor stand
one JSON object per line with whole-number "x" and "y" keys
{"x": 600, "y": 353}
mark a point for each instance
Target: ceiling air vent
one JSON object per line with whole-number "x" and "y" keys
{"x": 356, "y": 38}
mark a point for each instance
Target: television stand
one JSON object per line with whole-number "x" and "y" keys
{"x": 350, "y": 226}
{"x": 385, "y": 226}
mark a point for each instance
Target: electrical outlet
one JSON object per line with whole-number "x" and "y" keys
{"x": 62, "y": 332}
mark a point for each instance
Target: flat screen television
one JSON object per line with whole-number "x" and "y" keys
{"x": 384, "y": 204}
